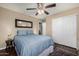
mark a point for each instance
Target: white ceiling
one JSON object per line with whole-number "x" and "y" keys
{"x": 21, "y": 7}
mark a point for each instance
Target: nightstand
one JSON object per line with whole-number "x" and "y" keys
{"x": 9, "y": 44}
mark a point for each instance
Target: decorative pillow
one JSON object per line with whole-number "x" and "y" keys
{"x": 30, "y": 32}
{"x": 21, "y": 32}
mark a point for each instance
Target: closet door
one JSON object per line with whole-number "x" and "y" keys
{"x": 57, "y": 30}
{"x": 64, "y": 30}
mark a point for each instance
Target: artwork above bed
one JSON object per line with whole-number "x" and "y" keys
{"x": 23, "y": 23}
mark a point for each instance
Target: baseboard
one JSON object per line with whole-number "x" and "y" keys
{"x": 2, "y": 48}
{"x": 66, "y": 46}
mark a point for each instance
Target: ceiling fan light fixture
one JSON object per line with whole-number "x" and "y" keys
{"x": 41, "y": 8}
{"x": 41, "y": 11}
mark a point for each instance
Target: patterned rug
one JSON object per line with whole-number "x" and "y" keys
{"x": 63, "y": 51}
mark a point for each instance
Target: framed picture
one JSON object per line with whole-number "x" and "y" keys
{"x": 23, "y": 23}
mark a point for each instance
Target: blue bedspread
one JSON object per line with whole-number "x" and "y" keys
{"x": 31, "y": 45}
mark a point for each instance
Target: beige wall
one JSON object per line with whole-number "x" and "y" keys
{"x": 49, "y": 26}
{"x": 7, "y": 24}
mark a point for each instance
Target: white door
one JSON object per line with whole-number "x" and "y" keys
{"x": 44, "y": 28}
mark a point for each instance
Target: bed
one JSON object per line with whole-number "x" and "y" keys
{"x": 28, "y": 44}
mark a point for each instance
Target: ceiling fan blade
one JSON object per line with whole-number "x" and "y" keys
{"x": 36, "y": 14}
{"x": 31, "y": 8}
{"x": 46, "y": 12}
{"x": 51, "y": 5}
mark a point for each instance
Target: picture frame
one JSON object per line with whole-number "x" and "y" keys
{"x": 23, "y": 23}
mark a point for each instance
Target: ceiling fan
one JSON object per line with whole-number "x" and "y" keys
{"x": 42, "y": 9}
